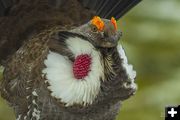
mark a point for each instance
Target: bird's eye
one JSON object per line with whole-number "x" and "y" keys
{"x": 94, "y": 28}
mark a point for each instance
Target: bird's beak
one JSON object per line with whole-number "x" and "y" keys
{"x": 111, "y": 40}
{"x": 115, "y": 37}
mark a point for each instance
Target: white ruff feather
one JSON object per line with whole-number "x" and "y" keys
{"x": 128, "y": 67}
{"x": 60, "y": 76}
{"x": 19, "y": 117}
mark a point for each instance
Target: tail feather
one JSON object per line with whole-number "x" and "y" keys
{"x": 99, "y": 4}
{"x": 103, "y": 7}
{"x": 4, "y": 5}
{"x": 125, "y": 8}
{"x": 109, "y": 8}
{"x": 92, "y": 5}
{"x": 2, "y": 8}
{"x": 113, "y": 9}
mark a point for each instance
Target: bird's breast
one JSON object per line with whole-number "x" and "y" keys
{"x": 78, "y": 81}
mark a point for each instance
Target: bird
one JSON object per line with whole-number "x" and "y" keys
{"x": 62, "y": 59}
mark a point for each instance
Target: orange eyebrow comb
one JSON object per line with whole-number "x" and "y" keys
{"x": 98, "y": 23}
{"x": 113, "y": 21}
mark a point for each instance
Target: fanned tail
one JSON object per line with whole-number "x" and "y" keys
{"x": 109, "y": 8}
{"x": 102, "y": 8}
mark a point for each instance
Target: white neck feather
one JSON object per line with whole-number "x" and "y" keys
{"x": 63, "y": 84}
{"x": 128, "y": 67}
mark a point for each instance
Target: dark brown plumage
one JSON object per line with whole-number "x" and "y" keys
{"x": 32, "y": 16}
{"x": 34, "y": 31}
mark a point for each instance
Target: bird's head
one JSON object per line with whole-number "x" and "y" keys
{"x": 100, "y": 32}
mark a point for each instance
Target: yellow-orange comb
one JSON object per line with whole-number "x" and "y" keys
{"x": 113, "y": 21}
{"x": 98, "y": 23}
